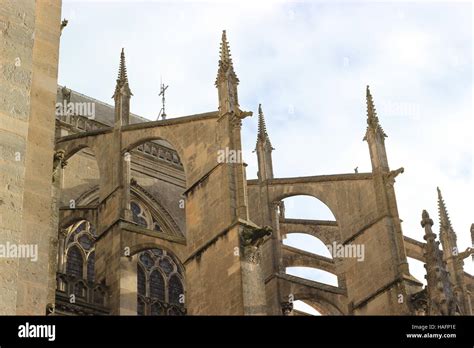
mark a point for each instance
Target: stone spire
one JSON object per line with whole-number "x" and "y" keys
{"x": 122, "y": 79}
{"x": 262, "y": 134}
{"x": 472, "y": 238}
{"x": 372, "y": 119}
{"x": 226, "y": 66}
{"x": 122, "y": 76}
{"x": 453, "y": 258}
{"x": 264, "y": 149}
{"x": 122, "y": 95}
{"x": 227, "y": 82}
{"x": 444, "y": 221}
{"x": 375, "y": 137}
{"x": 441, "y": 300}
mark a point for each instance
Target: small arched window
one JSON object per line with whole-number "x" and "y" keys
{"x": 160, "y": 289}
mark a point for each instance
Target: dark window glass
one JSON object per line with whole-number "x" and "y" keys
{"x": 157, "y": 309}
{"x": 140, "y": 306}
{"x": 166, "y": 266}
{"x": 157, "y": 286}
{"x": 74, "y": 264}
{"x": 160, "y": 288}
{"x": 147, "y": 260}
{"x": 175, "y": 289}
{"x": 85, "y": 242}
{"x": 90, "y": 267}
{"x": 80, "y": 289}
{"x": 141, "y": 281}
{"x": 137, "y": 212}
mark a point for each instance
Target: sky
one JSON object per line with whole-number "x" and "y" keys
{"x": 308, "y": 63}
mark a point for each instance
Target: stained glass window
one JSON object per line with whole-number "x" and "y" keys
{"x": 79, "y": 250}
{"x": 140, "y": 306}
{"x": 166, "y": 265}
{"x": 147, "y": 260}
{"x": 74, "y": 264}
{"x": 90, "y": 267}
{"x": 85, "y": 241}
{"x": 175, "y": 289}
{"x": 159, "y": 283}
{"x": 141, "y": 281}
{"x": 157, "y": 286}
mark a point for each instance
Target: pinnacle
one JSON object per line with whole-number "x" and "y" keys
{"x": 443, "y": 212}
{"x": 372, "y": 119}
{"x": 262, "y": 128}
{"x": 122, "y": 75}
{"x": 122, "y": 79}
{"x": 226, "y": 65}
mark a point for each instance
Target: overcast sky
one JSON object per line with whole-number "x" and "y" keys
{"x": 308, "y": 64}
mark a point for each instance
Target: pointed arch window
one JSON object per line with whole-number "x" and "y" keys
{"x": 160, "y": 288}
{"x": 79, "y": 251}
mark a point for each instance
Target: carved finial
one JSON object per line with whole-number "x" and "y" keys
{"x": 372, "y": 119}
{"x": 122, "y": 78}
{"x": 441, "y": 299}
{"x": 226, "y": 66}
{"x": 425, "y": 219}
{"x": 262, "y": 128}
{"x": 225, "y": 50}
{"x": 444, "y": 220}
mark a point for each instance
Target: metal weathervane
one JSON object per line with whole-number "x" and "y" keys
{"x": 162, "y": 113}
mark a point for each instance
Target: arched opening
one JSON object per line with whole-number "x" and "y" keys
{"x": 80, "y": 175}
{"x": 313, "y": 274}
{"x": 304, "y": 308}
{"x": 417, "y": 269}
{"x": 160, "y": 283}
{"x": 306, "y": 207}
{"x": 308, "y": 243}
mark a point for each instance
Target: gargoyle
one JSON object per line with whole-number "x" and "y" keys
{"x": 64, "y": 24}
{"x": 390, "y": 177}
{"x": 244, "y": 114}
{"x": 255, "y": 236}
{"x": 58, "y": 161}
{"x": 466, "y": 253}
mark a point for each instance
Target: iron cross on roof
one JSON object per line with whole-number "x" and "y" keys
{"x": 162, "y": 113}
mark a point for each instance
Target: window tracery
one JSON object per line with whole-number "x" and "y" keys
{"x": 160, "y": 289}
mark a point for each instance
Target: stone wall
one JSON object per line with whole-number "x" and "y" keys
{"x": 29, "y": 35}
